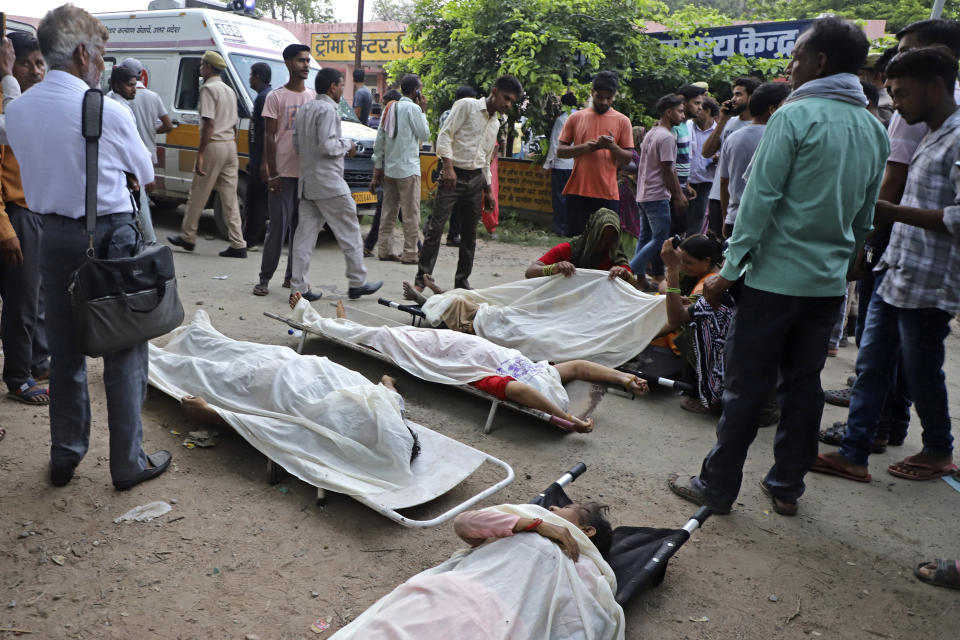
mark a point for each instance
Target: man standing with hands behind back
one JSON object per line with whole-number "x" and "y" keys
{"x": 280, "y": 166}
{"x": 217, "y": 163}
{"x": 599, "y": 139}
{"x": 465, "y": 144}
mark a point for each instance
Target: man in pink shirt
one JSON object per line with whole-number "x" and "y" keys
{"x": 280, "y": 168}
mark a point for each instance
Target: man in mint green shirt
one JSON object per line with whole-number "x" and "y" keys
{"x": 396, "y": 161}
{"x": 806, "y": 209}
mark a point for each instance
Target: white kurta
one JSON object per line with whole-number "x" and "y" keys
{"x": 444, "y": 357}
{"x": 585, "y": 316}
{"x": 521, "y": 587}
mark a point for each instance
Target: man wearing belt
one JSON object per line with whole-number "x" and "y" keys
{"x": 465, "y": 144}
{"x": 217, "y": 164}
{"x": 45, "y": 133}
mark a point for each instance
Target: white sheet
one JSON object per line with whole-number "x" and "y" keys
{"x": 557, "y": 318}
{"x": 444, "y": 357}
{"x": 324, "y": 423}
{"x": 511, "y": 588}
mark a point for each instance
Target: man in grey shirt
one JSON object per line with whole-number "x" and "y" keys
{"x": 324, "y": 194}
{"x": 738, "y": 150}
{"x": 152, "y": 118}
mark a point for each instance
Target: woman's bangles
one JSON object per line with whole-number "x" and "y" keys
{"x": 548, "y": 270}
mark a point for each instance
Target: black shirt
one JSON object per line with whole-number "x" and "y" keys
{"x": 257, "y": 129}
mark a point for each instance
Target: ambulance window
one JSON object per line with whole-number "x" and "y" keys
{"x": 108, "y": 64}
{"x": 188, "y": 84}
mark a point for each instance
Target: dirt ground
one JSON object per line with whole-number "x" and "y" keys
{"x": 238, "y": 557}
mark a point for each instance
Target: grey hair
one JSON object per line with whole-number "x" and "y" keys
{"x": 64, "y": 29}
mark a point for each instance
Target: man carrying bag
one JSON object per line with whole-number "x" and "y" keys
{"x": 46, "y": 133}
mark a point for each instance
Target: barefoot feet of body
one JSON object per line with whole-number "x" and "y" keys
{"x": 410, "y": 293}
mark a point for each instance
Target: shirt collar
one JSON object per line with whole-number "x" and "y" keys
{"x": 949, "y": 126}
{"x": 324, "y": 96}
{"x": 65, "y": 79}
{"x": 213, "y": 78}
{"x": 405, "y": 99}
{"x": 707, "y": 130}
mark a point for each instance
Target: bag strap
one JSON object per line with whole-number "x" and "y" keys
{"x": 92, "y": 127}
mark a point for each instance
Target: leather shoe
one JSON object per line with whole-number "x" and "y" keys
{"x": 160, "y": 461}
{"x": 369, "y": 287}
{"x": 177, "y": 241}
{"x": 60, "y": 476}
{"x": 311, "y": 296}
{"x": 233, "y": 252}
{"x": 463, "y": 284}
{"x": 453, "y": 242}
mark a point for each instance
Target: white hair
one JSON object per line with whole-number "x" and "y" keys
{"x": 64, "y": 29}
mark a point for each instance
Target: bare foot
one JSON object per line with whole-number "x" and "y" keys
{"x": 431, "y": 283}
{"x": 197, "y": 409}
{"x": 341, "y": 311}
{"x": 295, "y": 298}
{"x": 389, "y": 382}
{"x": 410, "y": 293}
{"x": 580, "y": 425}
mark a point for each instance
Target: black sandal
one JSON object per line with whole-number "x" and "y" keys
{"x": 835, "y": 433}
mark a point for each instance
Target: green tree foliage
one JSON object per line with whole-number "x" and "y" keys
{"x": 553, "y": 46}
{"x": 297, "y": 10}
{"x": 399, "y": 10}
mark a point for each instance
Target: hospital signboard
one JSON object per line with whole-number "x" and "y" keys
{"x": 377, "y": 47}
{"x": 758, "y": 40}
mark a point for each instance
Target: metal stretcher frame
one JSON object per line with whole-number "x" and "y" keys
{"x": 417, "y": 316}
{"x": 495, "y": 402}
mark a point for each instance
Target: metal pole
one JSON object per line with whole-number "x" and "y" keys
{"x": 935, "y": 12}
{"x": 356, "y": 60}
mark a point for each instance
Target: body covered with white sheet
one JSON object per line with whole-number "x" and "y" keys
{"x": 444, "y": 357}
{"x": 518, "y": 588}
{"x": 324, "y": 423}
{"x": 558, "y": 318}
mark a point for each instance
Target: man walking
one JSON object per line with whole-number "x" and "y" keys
{"x": 465, "y": 145}
{"x": 26, "y": 358}
{"x": 599, "y": 139}
{"x": 217, "y": 164}
{"x": 148, "y": 110}
{"x": 44, "y": 128}
{"x": 702, "y": 170}
{"x": 799, "y": 225}
{"x": 396, "y": 162}
{"x": 280, "y": 166}
{"x": 559, "y": 168}
{"x": 916, "y": 295}
{"x": 324, "y": 194}
{"x": 255, "y": 199}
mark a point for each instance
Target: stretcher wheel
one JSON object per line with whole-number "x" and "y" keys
{"x": 275, "y": 473}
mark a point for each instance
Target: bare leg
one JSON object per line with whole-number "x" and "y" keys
{"x": 197, "y": 409}
{"x": 389, "y": 382}
{"x": 341, "y": 311}
{"x": 593, "y": 372}
{"x": 524, "y": 394}
{"x": 431, "y": 283}
{"x": 410, "y": 293}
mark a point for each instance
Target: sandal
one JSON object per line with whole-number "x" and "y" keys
{"x": 260, "y": 290}
{"x": 947, "y": 573}
{"x": 782, "y": 507}
{"x": 391, "y": 257}
{"x": 286, "y": 283}
{"x": 690, "y": 494}
{"x": 838, "y": 397}
{"x": 835, "y": 433}
{"x": 829, "y": 466}
{"x": 693, "y": 405}
{"x": 919, "y": 471}
{"x": 30, "y": 393}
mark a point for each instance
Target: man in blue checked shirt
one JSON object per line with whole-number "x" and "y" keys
{"x": 916, "y": 293}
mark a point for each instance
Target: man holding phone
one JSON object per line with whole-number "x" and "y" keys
{"x": 396, "y": 163}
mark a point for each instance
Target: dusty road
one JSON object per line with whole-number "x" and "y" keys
{"x": 237, "y": 556}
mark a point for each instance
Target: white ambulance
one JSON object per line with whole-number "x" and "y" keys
{"x": 170, "y": 42}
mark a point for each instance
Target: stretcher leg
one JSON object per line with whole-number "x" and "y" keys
{"x": 321, "y": 497}
{"x": 275, "y": 472}
{"x": 493, "y": 412}
{"x": 303, "y": 341}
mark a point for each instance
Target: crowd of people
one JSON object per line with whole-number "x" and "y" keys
{"x": 751, "y": 216}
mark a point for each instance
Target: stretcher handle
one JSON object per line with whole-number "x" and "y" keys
{"x": 575, "y": 472}
{"x": 409, "y": 308}
{"x": 663, "y": 382}
{"x": 562, "y": 423}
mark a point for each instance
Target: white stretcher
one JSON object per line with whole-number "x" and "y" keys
{"x": 596, "y": 391}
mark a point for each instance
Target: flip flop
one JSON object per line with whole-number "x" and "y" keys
{"x": 30, "y": 393}
{"x": 260, "y": 290}
{"x": 829, "y": 467}
{"x": 389, "y": 258}
{"x": 923, "y": 471}
{"x": 947, "y": 573}
{"x": 835, "y": 433}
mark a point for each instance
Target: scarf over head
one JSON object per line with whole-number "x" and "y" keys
{"x": 583, "y": 254}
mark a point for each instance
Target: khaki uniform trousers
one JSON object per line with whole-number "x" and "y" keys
{"x": 400, "y": 193}
{"x": 221, "y": 166}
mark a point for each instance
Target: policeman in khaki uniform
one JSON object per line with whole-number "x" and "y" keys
{"x": 217, "y": 164}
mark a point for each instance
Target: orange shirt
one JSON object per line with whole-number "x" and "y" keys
{"x": 595, "y": 174}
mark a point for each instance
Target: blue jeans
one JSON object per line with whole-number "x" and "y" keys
{"x": 654, "y": 229}
{"x": 916, "y": 337}
{"x": 558, "y": 180}
{"x": 63, "y": 248}
{"x": 773, "y": 339}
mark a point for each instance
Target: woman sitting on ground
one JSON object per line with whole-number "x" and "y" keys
{"x": 598, "y": 247}
{"x": 452, "y": 357}
{"x": 529, "y": 573}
